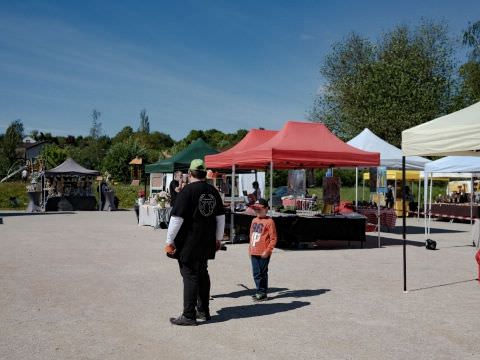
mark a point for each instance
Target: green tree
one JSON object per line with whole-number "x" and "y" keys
{"x": 96, "y": 129}
{"x": 117, "y": 159}
{"x": 53, "y": 155}
{"x": 471, "y": 38}
{"x": 469, "y": 73}
{"x": 123, "y": 135}
{"x": 403, "y": 80}
{"x": 11, "y": 140}
{"x": 144, "y": 122}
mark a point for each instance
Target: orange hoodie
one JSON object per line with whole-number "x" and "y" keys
{"x": 263, "y": 236}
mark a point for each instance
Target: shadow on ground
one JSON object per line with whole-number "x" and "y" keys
{"x": 372, "y": 241}
{"x": 273, "y": 292}
{"x": 255, "y": 310}
{"x": 23, "y": 213}
{"x": 441, "y": 285}
{"x": 245, "y": 292}
{"x": 421, "y": 230}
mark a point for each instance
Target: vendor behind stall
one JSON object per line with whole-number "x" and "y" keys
{"x": 174, "y": 187}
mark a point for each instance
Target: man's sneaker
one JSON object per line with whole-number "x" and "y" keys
{"x": 260, "y": 297}
{"x": 202, "y": 315}
{"x": 183, "y": 321}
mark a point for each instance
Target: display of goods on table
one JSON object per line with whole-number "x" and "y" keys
{"x": 296, "y": 203}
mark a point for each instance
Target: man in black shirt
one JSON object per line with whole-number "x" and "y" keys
{"x": 194, "y": 235}
{"x": 174, "y": 187}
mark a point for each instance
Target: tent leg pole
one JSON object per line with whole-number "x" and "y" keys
{"x": 378, "y": 219}
{"x": 430, "y": 204}
{"x": 271, "y": 185}
{"x": 363, "y": 189}
{"x": 100, "y": 196}
{"x": 356, "y": 187}
{"x": 419, "y": 192}
{"x": 232, "y": 206}
{"x": 471, "y": 200}
{"x": 404, "y": 227}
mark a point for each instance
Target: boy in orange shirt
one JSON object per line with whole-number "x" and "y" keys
{"x": 263, "y": 238}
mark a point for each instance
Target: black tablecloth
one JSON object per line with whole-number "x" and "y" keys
{"x": 78, "y": 203}
{"x": 292, "y": 230}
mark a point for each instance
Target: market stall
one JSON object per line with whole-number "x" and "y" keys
{"x": 455, "y": 134}
{"x": 301, "y": 145}
{"x": 198, "y": 149}
{"x": 69, "y": 186}
{"x": 460, "y": 200}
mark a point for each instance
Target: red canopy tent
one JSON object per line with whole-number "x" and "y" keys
{"x": 304, "y": 145}
{"x": 225, "y": 159}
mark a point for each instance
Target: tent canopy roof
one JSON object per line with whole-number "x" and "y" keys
{"x": 454, "y": 164}
{"x": 70, "y": 167}
{"x": 390, "y": 156}
{"x": 225, "y": 159}
{"x": 305, "y": 145}
{"x": 457, "y": 133}
{"x": 181, "y": 161}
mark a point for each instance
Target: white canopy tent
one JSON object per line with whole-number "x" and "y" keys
{"x": 449, "y": 166}
{"x": 453, "y": 165}
{"x": 390, "y": 156}
{"x": 457, "y": 134}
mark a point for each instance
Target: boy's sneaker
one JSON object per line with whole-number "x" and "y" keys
{"x": 202, "y": 315}
{"x": 260, "y": 297}
{"x": 183, "y": 321}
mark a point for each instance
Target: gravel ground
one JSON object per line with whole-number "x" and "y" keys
{"x": 96, "y": 286}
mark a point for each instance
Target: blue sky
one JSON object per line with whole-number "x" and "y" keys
{"x": 191, "y": 64}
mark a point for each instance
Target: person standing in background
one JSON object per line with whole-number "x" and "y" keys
{"x": 174, "y": 187}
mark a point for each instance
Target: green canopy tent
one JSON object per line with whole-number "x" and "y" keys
{"x": 181, "y": 161}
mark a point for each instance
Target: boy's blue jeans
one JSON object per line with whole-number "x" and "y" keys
{"x": 260, "y": 273}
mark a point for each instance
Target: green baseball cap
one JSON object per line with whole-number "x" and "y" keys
{"x": 197, "y": 164}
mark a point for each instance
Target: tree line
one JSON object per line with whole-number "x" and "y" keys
{"x": 101, "y": 152}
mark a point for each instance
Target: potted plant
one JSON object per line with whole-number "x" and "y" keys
{"x": 162, "y": 198}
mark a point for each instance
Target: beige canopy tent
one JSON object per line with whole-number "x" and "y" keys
{"x": 457, "y": 133}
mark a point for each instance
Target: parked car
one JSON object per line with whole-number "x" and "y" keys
{"x": 277, "y": 195}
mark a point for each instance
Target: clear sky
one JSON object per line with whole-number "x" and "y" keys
{"x": 191, "y": 64}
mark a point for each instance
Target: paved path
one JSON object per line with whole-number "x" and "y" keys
{"x": 96, "y": 286}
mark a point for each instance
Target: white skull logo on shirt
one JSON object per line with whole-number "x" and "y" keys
{"x": 206, "y": 204}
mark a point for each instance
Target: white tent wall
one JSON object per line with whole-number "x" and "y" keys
{"x": 246, "y": 180}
